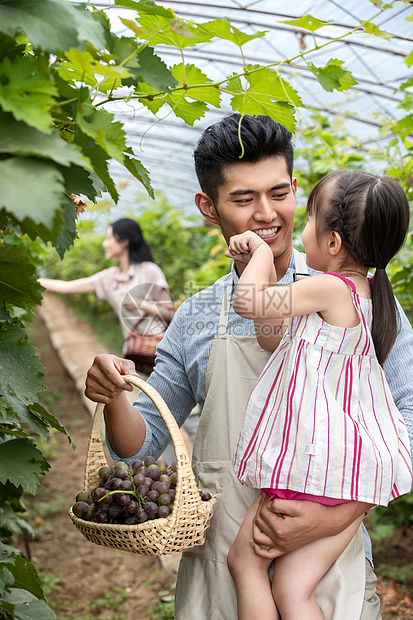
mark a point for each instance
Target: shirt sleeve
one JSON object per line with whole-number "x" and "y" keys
{"x": 170, "y": 380}
{"x": 103, "y": 283}
{"x": 398, "y": 368}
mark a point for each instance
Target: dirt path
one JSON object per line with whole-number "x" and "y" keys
{"x": 78, "y": 571}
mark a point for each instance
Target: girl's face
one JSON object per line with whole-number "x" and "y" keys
{"x": 113, "y": 248}
{"x": 315, "y": 246}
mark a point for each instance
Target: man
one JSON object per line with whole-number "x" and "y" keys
{"x": 210, "y": 356}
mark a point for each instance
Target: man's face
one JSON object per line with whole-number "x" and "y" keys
{"x": 259, "y": 197}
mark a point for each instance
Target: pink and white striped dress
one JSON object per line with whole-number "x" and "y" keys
{"x": 321, "y": 419}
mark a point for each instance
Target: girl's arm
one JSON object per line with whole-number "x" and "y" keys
{"x": 259, "y": 274}
{"x": 81, "y": 285}
{"x": 256, "y": 297}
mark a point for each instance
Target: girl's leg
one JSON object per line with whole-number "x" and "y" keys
{"x": 297, "y": 574}
{"x": 250, "y": 574}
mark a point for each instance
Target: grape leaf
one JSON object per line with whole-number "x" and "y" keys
{"x": 36, "y": 610}
{"x": 153, "y": 70}
{"x": 333, "y": 76}
{"x": 191, "y": 76}
{"x": 370, "y": 28}
{"x": 189, "y": 111}
{"x": 308, "y": 22}
{"x": 409, "y": 59}
{"x": 26, "y": 92}
{"x": 99, "y": 160}
{"x": 153, "y": 105}
{"x": 139, "y": 171}
{"x": 223, "y": 29}
{"x": 26, "y": 577}
{"x": 51, "y": 25}
{"x": 160, "y": 30}
{"x": 21, "y": 177}
{"x": 258, "y": 97}
{"x": 21, "y": 463}
{"x": 50, "y": 420}
{"x": 19, "y": 139}
{"x": 80, "y": 181}
{"x": 99, "y": 125}
{"x": 18, "y": 281}
{"x": 146, "y": 6}
{"x": 68, "y": 233}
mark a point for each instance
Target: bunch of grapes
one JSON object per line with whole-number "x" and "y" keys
{"x": 131, "y": 495}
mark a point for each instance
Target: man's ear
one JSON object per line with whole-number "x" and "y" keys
{"x": 335, "y": 243}
{"x": 206, "y": 207}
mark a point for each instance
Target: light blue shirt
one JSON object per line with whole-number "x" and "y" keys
{"x": 182, "y": 358}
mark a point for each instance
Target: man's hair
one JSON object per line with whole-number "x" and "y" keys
{"x": 220, "y": 146}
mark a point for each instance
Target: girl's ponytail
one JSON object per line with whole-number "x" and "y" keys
{"x": 385, "y": 314}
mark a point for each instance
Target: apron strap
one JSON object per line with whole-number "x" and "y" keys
{"x": 225, "y": 308}
{"x": 300, "y": 264}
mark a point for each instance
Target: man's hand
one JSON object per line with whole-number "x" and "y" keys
{"x": 104, "y": 382}
{"x": 290, "y": 524}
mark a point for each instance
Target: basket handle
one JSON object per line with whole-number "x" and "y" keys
{"x": 95, "y": 457}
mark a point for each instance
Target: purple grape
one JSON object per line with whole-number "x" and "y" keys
{"x": 153, "y": 496}
{"x": 122, "y": 498}
{"x": 163, "y": 511}
{"x": 139, "y": 479}
{"x": 148, "y": 481}
{"x": 164, "y": 499}
{"x": 142, "y": 470}
{"x": 126, "y": 485}
{"x": 137, "y": 465}
{"x": 154, "y": 472}
{"x": 132, "y": 506}
{"x": 174, "y": 466}
{"x": 89, "y": 512}
{"x": 108, "y": 499}
{"x": 172, "y": 493}
{"x": 165, "y": 478}
{"x": 101, "y": 516}
{"x": 115, "y": 483}
{"x": 78, "y": 508}
{"x": 174, "y": 479}
{"x": 131, "y": 520}
{"x": 98, "y": 493}
{"x": 84, "y": 496}
{"x": 115, "y": 511}
{"x": 163, "y": 488}
{"x": 149, "y": 460}
{"x": 151, "y": 508}
{"x": 141, "y": 515}
{"x": 142, "y": 490}
{"x": 121, "y": 473}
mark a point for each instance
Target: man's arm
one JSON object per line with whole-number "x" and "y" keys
{"x": 289, "y": 524}
{"x": 125, "y": 426}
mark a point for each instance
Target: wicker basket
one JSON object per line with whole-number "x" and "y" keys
{"x": 184, "y": 527}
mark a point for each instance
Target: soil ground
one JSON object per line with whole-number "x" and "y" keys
{"x": 78, "y": 571}
{"x": 87, "y": 581}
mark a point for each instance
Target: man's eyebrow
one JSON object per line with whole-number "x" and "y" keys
{"x": 242, "y": 192}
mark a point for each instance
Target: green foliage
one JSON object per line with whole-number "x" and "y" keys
{"x": 59, "y": 64}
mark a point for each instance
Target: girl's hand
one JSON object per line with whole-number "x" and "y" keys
{"x": 242, "y": 247}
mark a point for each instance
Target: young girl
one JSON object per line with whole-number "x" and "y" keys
{"x": 321, "y": 424}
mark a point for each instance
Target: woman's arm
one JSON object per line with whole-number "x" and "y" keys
{"x": 81, "y": 285}
{"x": 163, "y": 307}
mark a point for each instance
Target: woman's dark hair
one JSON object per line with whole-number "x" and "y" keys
{"x": 371, "y": 215}
{"x": 129, "y": 230}
{"x": 220, "y": 146}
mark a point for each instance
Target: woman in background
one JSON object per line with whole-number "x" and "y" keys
{"x": 136, "y": 288}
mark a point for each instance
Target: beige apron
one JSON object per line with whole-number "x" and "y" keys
{"x": 205, "y": 590}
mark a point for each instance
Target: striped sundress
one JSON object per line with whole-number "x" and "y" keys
{"x": 321, "y": 419}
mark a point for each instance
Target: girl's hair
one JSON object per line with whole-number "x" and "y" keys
{"x": 129, "y": 230}
{"x": 371, "y": 215}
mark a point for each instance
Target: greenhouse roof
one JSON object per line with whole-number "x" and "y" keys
{"x": 378, "y": 65}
